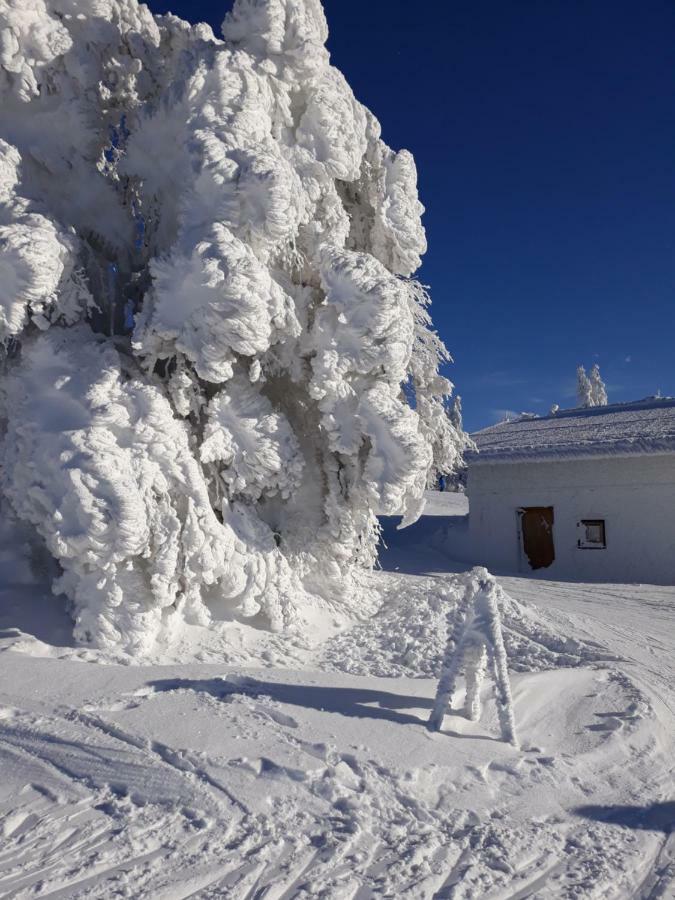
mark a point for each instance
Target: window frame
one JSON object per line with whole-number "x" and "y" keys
{"x": 582, "y": 541}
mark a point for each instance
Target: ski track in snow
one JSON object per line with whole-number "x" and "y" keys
{"x": 319, "y": 779}
{"x": 106, "y": 811}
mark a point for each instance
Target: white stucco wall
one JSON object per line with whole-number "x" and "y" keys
{"x": 635, "y": 496}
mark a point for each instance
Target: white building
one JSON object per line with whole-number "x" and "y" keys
{"x": 584, "y": 494}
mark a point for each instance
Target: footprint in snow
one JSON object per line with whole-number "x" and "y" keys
{"x": 276, "y": 716}
{"x": 614, "y": 721}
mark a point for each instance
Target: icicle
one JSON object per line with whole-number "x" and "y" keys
{"x": 480, "y": 648}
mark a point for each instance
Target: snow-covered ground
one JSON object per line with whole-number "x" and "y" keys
{"x": 446, "y": 504}
{"x": 261, "y": 767}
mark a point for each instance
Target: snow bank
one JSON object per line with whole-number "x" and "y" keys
{"x": 225, "y": 245}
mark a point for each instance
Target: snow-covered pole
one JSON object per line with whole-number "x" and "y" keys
{"x": 446, "y": 687}
{"x": 475, "y": 669}
{"x": 500, "y": 674}
{"x": 480, "y": 647}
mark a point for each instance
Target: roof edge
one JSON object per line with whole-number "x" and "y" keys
{"x": 608, "y": 450}
{"x": 586, "y": 412}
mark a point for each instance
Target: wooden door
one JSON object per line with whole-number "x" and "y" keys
{"x": 536, "y": 527}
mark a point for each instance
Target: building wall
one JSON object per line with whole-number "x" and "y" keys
{"x": 634, "y": 495}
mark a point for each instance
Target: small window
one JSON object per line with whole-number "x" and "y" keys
{"x": 592, "y": 534}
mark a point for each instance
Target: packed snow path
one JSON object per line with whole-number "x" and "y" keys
{"x": 318, "y": 778}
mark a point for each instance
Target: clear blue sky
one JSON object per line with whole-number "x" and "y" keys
{"x": 544, "y": 134}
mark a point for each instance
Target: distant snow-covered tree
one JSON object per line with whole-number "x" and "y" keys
{"x": 225, "y": 368}
{"x": 584, "y": 388}
{"x": 454, "y": 475}
{"x": 456, "y": 414}
{"x": 598, "y": 389}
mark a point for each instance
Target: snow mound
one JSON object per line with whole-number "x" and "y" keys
{"x": 252, "y": 372}
{"x": 419, "y": 620}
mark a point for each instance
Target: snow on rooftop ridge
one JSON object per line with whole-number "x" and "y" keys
{"x": 652, "y": 402}
{"x": 618, "y": 429}
{"x": 646, "y": 403}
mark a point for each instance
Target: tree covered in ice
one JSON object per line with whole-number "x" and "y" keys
{"x": 451, "y": 467}
{"x": 217, "y": 366}
{"x": 456, "y": 414}
{"x": 598, "y": 389}
{"x": 591, "y": 390}
{"x": 584, "y": 389}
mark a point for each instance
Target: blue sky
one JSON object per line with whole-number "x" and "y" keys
{"x": 544, "y": 137}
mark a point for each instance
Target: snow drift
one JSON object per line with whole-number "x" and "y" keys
{"x": 217, "y": 366}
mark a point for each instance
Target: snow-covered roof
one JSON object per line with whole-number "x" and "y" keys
{"x": 620, "y": 429}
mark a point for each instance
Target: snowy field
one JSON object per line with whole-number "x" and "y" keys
{"x": 309, "y": 772}
{"x": 216, "y": 365}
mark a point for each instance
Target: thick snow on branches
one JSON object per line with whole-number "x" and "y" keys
{"x": 217, "y": 368}
{"x": 591, "y": 390}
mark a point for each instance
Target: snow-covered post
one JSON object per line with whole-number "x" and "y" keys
{"x": 480, "y": 648}
{"x": 475, "y": 667}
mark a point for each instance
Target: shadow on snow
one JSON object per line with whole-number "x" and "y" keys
{"x": 360, "y": 703}
{"x": 357, "y": 702}
{"x": 655, "y": 817}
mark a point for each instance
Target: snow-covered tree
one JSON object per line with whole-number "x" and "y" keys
{"x": 584, "y": 389}
{"x": 456, "y": 414}
{"x": 598, "y": 389}
{"x": 450, "y": 466}
{"x": 456, "y": 479}
{"x": 224, "y": 368}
